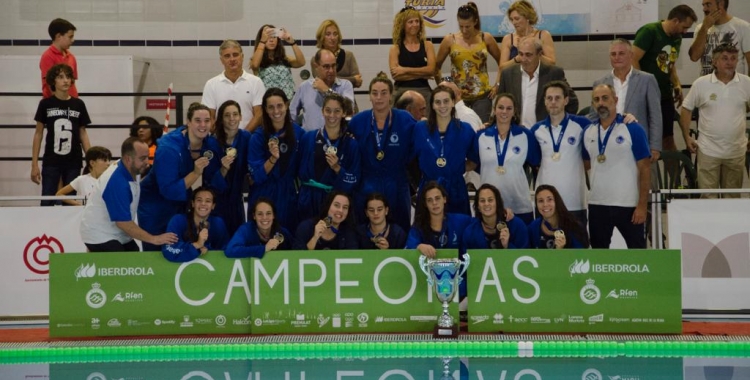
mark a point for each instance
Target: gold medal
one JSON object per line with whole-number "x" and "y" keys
{"x": 500, "y": 170}
{"x": 380, "y": 155}
{"x": 559, "y": 234}
{"x": 376, "y": 239}
{"x": 500, "y": 226}
{"x": 231, "y": 152}
{"x": 601, "y": 158}
{"x": 208, "y": 154}
{"x": 328, "y": 221}
{"x": 331, "y": 149}
{"x": 279, "y": 236}
{"x": 441, "y": 162}
{"x": 556, "y": 156}
{"x": 273, "y": 140}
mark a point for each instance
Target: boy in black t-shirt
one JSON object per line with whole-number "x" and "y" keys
{"x": 65, "y": 118}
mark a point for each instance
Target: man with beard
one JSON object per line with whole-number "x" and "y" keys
{"x": 108, "y": 223}
{"x": 720, "y": 27}
{"x": 619, "y": 158}
{"x": 559, "y": 139}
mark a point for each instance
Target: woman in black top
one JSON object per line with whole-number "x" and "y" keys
{"x": 377, "y": 233}
{"x": 411, "y": 58}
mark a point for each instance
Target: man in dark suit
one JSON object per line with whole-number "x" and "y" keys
{"x": 526, "y": 82}
{"x": 637, "y": 93}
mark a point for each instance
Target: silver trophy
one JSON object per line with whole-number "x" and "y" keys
{"x": 445, "y": 276}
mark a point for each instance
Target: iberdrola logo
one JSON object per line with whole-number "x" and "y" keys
{"x": 590, "y": 294}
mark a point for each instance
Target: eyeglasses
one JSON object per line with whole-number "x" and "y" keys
{"x": 447, "y": 79}
{"x": 406, "y": 8}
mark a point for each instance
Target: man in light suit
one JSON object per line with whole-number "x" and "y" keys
{"x": 526, "y": 82}
{"x": 637, "y": 93}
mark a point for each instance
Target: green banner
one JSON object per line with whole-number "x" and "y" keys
{"x": 585, "y": 291}
{"x": 95, "y": 294}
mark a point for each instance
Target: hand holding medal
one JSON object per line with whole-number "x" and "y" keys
{"x": 504, "y": 236}
{"x": 560, "y": 239}
{"x": 228, "y": 159}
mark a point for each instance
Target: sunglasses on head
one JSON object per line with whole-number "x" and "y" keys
{"x": 406, "y": 8}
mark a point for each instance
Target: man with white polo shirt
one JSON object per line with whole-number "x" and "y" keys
{"x": 618, "y": 155}
{"x": 722, "y": 99}
{"x": 107, "y": 224}
{"x": 234, "y": 83}
{"x": 559, "y": 139}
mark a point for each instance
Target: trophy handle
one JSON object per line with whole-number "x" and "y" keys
{"x": 423, "y": 267}
{"x": 464, "y": 266}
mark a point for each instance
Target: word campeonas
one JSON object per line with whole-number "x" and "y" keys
{"x": 308, "y": 275}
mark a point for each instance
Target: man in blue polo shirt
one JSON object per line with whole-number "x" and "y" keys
{"x": 619, "y": 157}
{"x": 107, "y": 224}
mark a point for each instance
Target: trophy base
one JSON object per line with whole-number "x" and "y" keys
{"x": 445, "y": 332}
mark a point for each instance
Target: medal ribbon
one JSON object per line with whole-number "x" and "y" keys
{"x": 549, "y": 226}
{"x": 563, "y": 126}
{"x": 442, "y": 146}
{"x": 382, "y": 234}
{"x": 386, "y": 131}
{"x": 328, "y": 141}
{"x": 501, "y": 154}
{"x": 603, "y": 144}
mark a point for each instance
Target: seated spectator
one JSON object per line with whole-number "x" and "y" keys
{"x": 306, "y": 105}
{"x": 149, "y": 131}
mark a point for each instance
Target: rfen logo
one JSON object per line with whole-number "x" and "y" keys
{"x": 37, "y": 251}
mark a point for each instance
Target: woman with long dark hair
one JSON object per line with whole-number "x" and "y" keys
{"x": 378, "y": 233}
{"x": 330, "y": 158}
{"x": 556, "y": 227}
{"x": 234, "y": 142}
{"x": 490, "y": 228}
{"x": 274, "y": 158}
{"x": 197, "y": 231}
{"x": 434, "y": 228}
{"x": 333, "y": 228}
{"x": 441, "y": 145}
{"x": 183, "y": 156}
{"x": 261, "y": 234}
{"x": 270, "y": 62}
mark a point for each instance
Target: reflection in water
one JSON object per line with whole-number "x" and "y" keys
{"x": 618, "y": 368}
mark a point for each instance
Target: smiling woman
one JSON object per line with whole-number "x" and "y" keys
{"x": 183, "y": 156}
{"x": 198, "y": 232}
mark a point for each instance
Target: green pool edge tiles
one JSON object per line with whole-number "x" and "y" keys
{"x": 328, "y": 350}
